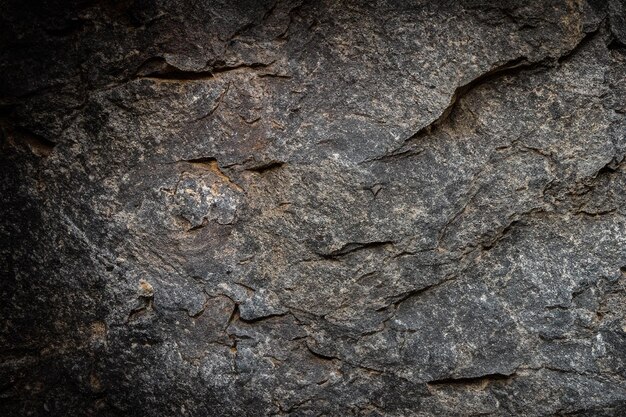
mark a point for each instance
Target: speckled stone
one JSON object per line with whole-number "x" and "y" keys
{"x": 323, "y": 208}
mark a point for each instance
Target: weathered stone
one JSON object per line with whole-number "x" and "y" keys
{"x": 383, "y": 208}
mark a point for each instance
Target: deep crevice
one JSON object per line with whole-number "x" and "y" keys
{"x": 261, "y": 318}
{"x": 511, "y": 67}
{"x": 354, "y": 247}
{"x": 472, "y": 380}
{"x": 413, "y": 293}
{"x": 580, "y": 45}
{"x": 263, "y": 168}
{"x": 159, "y": 68}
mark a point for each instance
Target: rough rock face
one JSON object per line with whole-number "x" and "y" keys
{"x": 324, "y": 208}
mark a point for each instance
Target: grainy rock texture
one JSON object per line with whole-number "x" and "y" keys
{"x": 313, "y": 208}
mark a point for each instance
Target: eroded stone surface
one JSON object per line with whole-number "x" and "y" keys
{"x": 379, "y": 208}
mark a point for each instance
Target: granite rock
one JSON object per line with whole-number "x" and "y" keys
{"x": 325, "y": 208}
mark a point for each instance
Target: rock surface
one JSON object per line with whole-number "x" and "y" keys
{"x": 326, "y": 208}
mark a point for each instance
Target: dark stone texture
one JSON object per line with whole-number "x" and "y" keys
{"x": 324, "y": 208}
